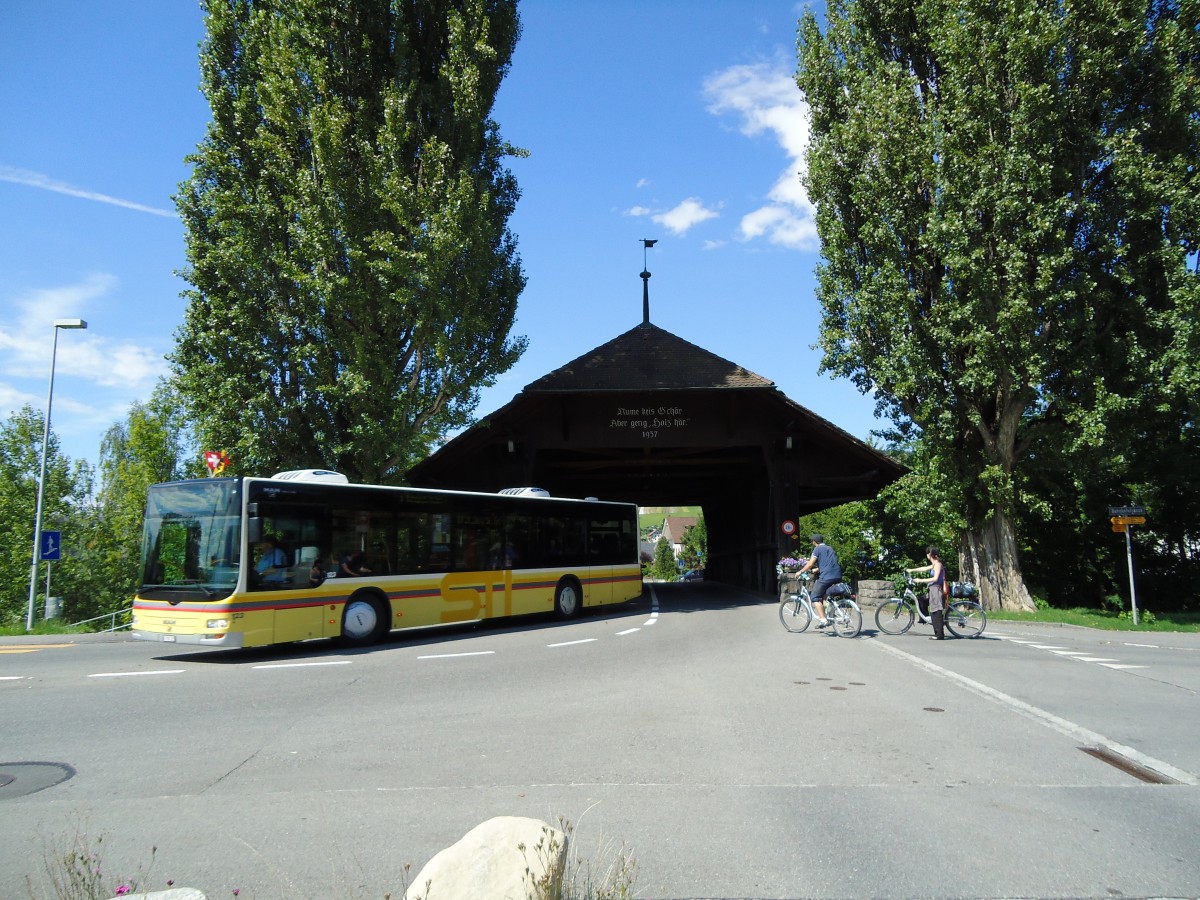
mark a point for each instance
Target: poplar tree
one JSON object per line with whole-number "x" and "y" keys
{"x": 1007, "y": 196}
{"x": 353, "y": 278}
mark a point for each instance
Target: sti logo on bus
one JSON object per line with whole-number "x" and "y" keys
{"x": 470, "y": 597}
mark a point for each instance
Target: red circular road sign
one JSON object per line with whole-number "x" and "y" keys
{"x": 788, "y": 527}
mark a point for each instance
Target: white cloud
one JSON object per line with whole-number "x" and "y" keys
{"x": 97, "y": 375}
{"x": 685, "y": 216}
{"x": 765, "y": 99}
{"x": 26, "y": 340}
{"x": 638, "y": 211}
{"x": 28, "y": 178}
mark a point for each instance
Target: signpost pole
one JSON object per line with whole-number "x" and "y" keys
{"x": 1123, "y": 518}
{"x": 1132, "y": 591}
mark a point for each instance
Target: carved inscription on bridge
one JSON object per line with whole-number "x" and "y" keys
{"x": 648, "y": 423}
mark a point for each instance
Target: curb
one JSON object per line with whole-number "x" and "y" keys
{"x": 91, "y": 637}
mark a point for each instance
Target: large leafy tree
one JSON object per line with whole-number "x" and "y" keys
{"x": 354, "y": 280}
{"x": 67, "y": 486}
{"x": 1007, "y": 202}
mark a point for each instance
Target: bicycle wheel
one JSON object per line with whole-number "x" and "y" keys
{"x": 966, "y": 619}
{"x": 894, "y": 617}
{"x": 846, "y": 618}
{"x": 794, "y": 615}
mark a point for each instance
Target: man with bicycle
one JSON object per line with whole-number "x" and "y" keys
{"x": 829, "y": 571}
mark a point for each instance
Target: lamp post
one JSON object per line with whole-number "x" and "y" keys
{"x": 37, "y": 519}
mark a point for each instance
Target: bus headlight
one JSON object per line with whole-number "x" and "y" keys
{"x": 216, "y": 623}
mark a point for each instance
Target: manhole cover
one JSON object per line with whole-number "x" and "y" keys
{"x": 19, "y": 779}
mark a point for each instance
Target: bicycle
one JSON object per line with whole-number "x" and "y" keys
{"x": 841, "y": 610}
{"x": 963, "y": 618}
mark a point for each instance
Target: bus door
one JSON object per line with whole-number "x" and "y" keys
{"x": 603, "y": 554}
{"x": 296, "y": 537}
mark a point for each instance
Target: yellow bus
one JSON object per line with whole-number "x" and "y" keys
{"x": 247, "y": 562}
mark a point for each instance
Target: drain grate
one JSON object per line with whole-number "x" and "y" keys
{"x": 1128, "y": 766}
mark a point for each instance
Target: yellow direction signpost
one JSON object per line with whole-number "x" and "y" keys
{"x": 1122, "y": 517}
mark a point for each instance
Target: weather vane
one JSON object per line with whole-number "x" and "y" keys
{"x": 647, "y": 243}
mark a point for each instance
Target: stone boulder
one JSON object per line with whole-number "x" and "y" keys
{"x": 488, "y": 863}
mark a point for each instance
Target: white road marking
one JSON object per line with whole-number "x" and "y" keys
{"x": 1151, "y": 646}
{"x": 13, "y": 677}
{"x": 572, "y": 643}
{"x": 1107, "y": 662}
{"x": 1071, "y": 729}
{"x": 628, "y": 631}
{"x": 131, "y": 674}
{"x": 332, "y": 662}
{"x": 458, "y": 655}
{"x": 653, "y": 607}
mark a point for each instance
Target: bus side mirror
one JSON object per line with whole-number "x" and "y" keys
{"x": 254, "y": 530}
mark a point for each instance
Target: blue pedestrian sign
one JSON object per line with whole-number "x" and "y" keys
{"x": 51, "y": 546}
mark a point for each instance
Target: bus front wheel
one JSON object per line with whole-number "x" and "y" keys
{"x": 568, "y": 599}
{"x": 363, "y": 621}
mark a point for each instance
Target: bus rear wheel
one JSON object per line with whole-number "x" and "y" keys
{"x": 568, "y": 599}
{"x": 364, "y": 620}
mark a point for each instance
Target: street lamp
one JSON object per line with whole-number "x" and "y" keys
{"x": 37, "y": 519}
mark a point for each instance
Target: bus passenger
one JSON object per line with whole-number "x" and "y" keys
{"x": 352, "y": 565}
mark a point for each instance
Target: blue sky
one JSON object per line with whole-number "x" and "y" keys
{"x": 676, "y": 120}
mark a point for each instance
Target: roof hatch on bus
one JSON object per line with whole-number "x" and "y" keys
{"x": 321, "y": 476}
{"x": 525, "y": 492}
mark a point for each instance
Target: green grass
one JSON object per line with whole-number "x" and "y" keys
{"x": 41, "y": 628}
{"x": 1148, "y": 620}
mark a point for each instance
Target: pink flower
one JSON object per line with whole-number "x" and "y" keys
{"x": 123, "y": 889}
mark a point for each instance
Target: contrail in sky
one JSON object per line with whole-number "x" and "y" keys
{"x": 37, "y": 180}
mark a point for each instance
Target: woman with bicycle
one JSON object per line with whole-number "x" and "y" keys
{"x": 937, "y": 590}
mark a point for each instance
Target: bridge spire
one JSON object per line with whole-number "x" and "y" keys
{"x": 646, "y": 245}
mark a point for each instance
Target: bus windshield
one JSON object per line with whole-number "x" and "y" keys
{"x": 191, "y": 547}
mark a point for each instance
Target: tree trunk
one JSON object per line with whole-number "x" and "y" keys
{"x": 989, "y": 558}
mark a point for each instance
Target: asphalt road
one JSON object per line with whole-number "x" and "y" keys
{"x": 730, "y": 758}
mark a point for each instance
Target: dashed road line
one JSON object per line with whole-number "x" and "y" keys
{"x": 458, "y": 655}
{"x": 572, "y": 643}
{"x": 1107, "y": 662}
{"x": 302, "y": 665}
{"x": 132, "y": 674}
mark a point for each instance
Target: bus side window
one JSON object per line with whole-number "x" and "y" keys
{"x": 522, "y": 548}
